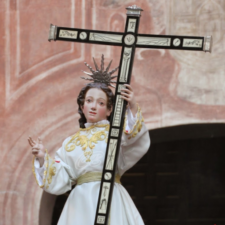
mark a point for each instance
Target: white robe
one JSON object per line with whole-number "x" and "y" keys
{"x": 58, "y": 175}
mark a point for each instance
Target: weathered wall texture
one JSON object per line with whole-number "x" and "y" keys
{"x": 40, "y": 80}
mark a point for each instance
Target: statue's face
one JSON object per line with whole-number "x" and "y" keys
{"x": 95, "y": 105}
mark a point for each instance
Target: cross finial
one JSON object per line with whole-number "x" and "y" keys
{"x": 134, "y": 11}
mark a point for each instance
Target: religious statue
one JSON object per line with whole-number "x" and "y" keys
{"x": 80, "y": 159}
{"x": 118, "y": 158}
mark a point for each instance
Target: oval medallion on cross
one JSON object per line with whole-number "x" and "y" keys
{"x": 129, "y": 39}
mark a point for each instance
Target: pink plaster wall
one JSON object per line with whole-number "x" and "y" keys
{"x": 39, "y": 80}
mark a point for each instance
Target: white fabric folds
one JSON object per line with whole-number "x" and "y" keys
{"x": 84, "y": 152}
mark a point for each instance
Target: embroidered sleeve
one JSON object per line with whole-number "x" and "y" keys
{"x": 56, "y": 176}
{"x": 132, "y": 126}
{"x": 45, "y": 179}
{"x": 135, "y": 141}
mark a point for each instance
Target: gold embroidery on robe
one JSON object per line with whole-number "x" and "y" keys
{"x": 137, "y": 126}
{"x": 88, "y": 142}
{"x": 49, "y": 171}
{"x": 46, "y": 167}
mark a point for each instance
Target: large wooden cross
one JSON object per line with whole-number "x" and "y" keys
{"x": 129, "y": 41}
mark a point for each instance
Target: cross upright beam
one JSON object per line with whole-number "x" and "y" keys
{"x": 129, "y": 40}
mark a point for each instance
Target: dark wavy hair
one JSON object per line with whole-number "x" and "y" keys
{"x": 81, "y": 99}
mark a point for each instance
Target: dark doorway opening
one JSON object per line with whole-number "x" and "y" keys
{"x": 181, "y": 178}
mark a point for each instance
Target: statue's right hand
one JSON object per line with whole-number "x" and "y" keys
{"x": 38, "y": 148}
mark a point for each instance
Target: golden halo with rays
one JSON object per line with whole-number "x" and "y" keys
{"x": 101, "y": 75}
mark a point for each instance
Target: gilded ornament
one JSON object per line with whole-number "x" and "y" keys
{"x": 51, "y": 173}
{"x": 86, "y": 142}
{"x": 137, "y": 126}
{"x": 46, "y": 169}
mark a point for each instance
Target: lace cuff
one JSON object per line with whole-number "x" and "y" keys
{"x": 133, "y": 125}
{"x": 44, "y": 174}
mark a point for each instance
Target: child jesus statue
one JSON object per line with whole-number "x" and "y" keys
{"x": 80, "y": 159}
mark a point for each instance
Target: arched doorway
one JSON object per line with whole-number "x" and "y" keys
{"x": 179, "y": 181}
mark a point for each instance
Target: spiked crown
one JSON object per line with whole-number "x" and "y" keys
{"x": 101, "y": 75}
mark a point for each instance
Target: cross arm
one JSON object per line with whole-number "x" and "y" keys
{"x": 85, "y": 36}
{"x": 174, "y": 42}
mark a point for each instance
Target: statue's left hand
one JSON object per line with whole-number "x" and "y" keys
{"x": 128, "y": 95}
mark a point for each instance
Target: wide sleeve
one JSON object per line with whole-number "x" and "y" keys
{"x": 135, "y": 141}
{"x": 55, "y": 176}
